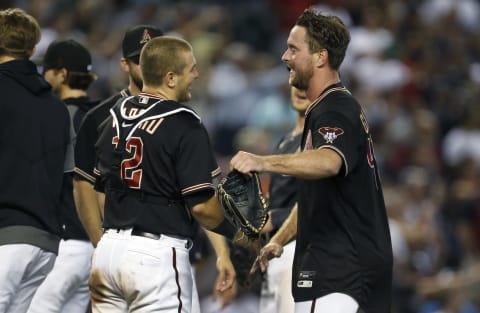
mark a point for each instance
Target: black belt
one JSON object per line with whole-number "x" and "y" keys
{"x": 141, "y": 233}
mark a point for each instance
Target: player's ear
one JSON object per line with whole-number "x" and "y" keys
{"x": 63, "y": 72}
{"x": 171, "y": 79}
{"x": 321, "y": 58}
{"x": 124, "y": 65}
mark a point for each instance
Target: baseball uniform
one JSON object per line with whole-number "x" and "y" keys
{"x": 348, "y": 249}
{"x": 162, "y": 165}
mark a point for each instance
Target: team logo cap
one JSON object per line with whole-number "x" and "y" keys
{"x": 136, "y": 37}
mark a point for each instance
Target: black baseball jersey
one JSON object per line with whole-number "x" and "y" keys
{"x": 72, "y": 227}
{"x": 343, "y": 237}
{"x": 87, "y": 136}
{"x": 35, "y": 139}
{"x": 283, "y": 188}
{"x": 166, "y": 166}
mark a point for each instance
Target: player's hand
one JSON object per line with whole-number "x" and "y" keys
{"x": 245, "y": 162}
{"x": 269, "y": 251}
{"x": 227, "y": 296}
{"x": 226, "y": 274}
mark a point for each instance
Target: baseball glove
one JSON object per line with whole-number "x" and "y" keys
{"x": 243, "y": 202}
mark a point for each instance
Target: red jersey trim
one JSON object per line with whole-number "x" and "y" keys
{"x": 322, "y": 96}
{"x": 84, "y": 174}
{"x": 216, "y": 172}
{"x": 197, "y": 187}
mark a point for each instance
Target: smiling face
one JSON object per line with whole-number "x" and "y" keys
{"x": 298, "y": 58}
{"x": 186, "y": 78}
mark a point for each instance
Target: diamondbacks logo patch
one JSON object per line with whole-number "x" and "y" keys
{"x": 330, "y": 133}
{"x": 145, "y": 37}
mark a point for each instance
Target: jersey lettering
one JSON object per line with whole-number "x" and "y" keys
{"x": 150, "y": 126}
{"x": 131, "y": 170}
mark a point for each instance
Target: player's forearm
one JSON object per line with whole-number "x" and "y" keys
{"x": 208, "y": 213}
{"x": 288, "y": 230}
{"x": 311, "y": 164}
{"x": 218, "y": 243}
{"x": 87, "y": 209}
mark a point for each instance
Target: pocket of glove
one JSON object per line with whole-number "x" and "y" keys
{"x": 242, "y": 200}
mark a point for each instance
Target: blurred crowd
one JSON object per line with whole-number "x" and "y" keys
{"x": 413, "y": 64}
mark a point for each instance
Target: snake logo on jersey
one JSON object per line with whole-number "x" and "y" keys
{"x": 330, "y": 133}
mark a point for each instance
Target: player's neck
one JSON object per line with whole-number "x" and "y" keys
{"x": 6, "y": 58}
{"x": 133, "y": 89}
{"x": 319, "y": 83}
{"x": 160, "y": 92}
{"x": 66, "y": 93}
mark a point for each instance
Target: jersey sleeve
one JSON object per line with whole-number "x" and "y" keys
{"x": 196, "y": 165}
{"x": 332, "y": 130}
{"x": 69, "y": 164}
{"x": 85, "y": 149}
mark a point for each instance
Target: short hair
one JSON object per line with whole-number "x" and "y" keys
{"x": 19, "y": 33}
{"x": 162, "y": 55}
{"x": 325, "y": 32}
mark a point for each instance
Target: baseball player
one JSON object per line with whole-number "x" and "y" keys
{"x": 343, "y": 253}
{"x": 36, "y": 151}
{"x": 67, "y": 67}
{"x": 89, "y": 212}
{"x": 274, "y": 297}
{"x": 155, "y": 166}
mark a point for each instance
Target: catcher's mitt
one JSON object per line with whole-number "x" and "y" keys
{"x": 243, "y": 202}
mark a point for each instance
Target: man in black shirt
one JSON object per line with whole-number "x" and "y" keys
{"x": 67, "y": 67}
{"x": 89, "y": 212}
{"x": 343, "y": 254}
{"x": 156, "y": 169}
{"x": 36, "y": 150}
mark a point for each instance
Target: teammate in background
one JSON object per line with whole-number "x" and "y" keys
{"x": 156, "y": 168}
{"x": 35, "y": 135}
{"x": 275, "y": 296}
{"x": 67, "y": 67}
{"x": 343, "y": 253}
{"x": 89, "y": 212}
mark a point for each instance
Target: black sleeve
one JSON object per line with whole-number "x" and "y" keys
{"x": 85, "y": 149}
{"x": 334, "y": 131}
{"x": 196, "y": 164}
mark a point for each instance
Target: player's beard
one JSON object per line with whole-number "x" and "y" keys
{"x": 137, "y": 79}
{"x": 301, "y": 79}
{"x": 184, "y": 96}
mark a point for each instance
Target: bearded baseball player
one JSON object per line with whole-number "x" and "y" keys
{"x": 155, "y": 167}
{"x": 343, "y": 254}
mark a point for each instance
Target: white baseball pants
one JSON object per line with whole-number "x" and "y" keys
{"x": 23, "y": 268}
{"x": 331, "y": 303}
{"x": 66, "y": 287}
{"x": 139, "y": 275}
{"x": 276, "y": 295}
